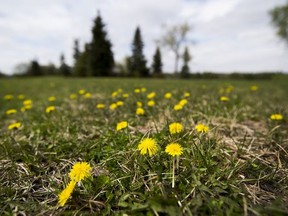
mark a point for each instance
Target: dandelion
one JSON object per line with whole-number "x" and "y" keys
{"x": 183, "y": 102}
{"x": 119, "y": 90}
{"x": 224, "y": 98}
{"x": 122, "y": 125}
{"x": 66, "y": 193}
{"x": 11, "y": 111}
{"x": 201, "y": 128}
{"x": 137, "y": 90}
{"x": 100, "y": 106}
{"x": 87, "y": 95}
{"x": 276, "y": 117}
{"x": 149, "y": 146}
{"x": 50, "y": 109}
{"x": 229, "y": 89}
{"x": 21, "y": 97}
{"x": 151, "y": 95}
{"x": 52, "y": 98}
{"x": 25, "y": 108}
{"x": 27, "y": 102}
{"x": 254, "y": 88}
{"x": 8, "y": 97}
{"x": 16, "y": 125}
{"x": 175, "y": 128}
{"x": 114, "y": 94}
{"x": 140, "y": 111}
{"x": 113, "y": 106}
{"x": 178, "y": 107}
{"x": 139, "y": 104}
{"x": 125, "y": 95}
{"x": 174, "y": 149}
{"x": 79, "y": 171}
{"x": 119, "y": 103}
{"x": 73, "y": 96}
{"x": 168, "y": 95}
{"x": 81, "y": 91}
{"x": 186, "y": 94}
{"x": 151, "y": 103}
{"x": 143, "y": 89}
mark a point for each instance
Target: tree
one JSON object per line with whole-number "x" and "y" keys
{"x": 137, "y": 62}
{"x": 101, "y": 60}
{"x": 64, "y": 68}
{"x": 35, "y": 69}
{"x": 185, "y": 71}
{"x": 81, "y": 67}
{"x": 174, "y": 37}
{"x": 157, "y": 63}
{"x": 77, "y": 53}
{"x": 279, "y": 17}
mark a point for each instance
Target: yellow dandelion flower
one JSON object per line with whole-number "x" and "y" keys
{"x": 11, "y": 111}
{"x": 140, "y": 111}
{"x": 100, "y": 106}
{"x": 178, "y": 107}
{"x": 229, "y": 89}
{"x": 183, "y": 102}
{"x": 254, "y": 88}
{"x": 25, "y": 108}
{"x": 139, "y": 104}
{"x": 276, "y": 117}
{"x": 175, "y": 128}
{"x": 79, "y": 171}
{"x": 151, "y": 103}
{"x": 224, "y": 98}
{"x": 52, "y": 98}
{"x": 143, "y": 89}
{"x": 122, "y": 125}
{"x": 113, "y": 106}
{"x": 119, "y": 103}
{"x": 119, "y": 90}
{"x": 27, "y": 102}
{"x": 87, "y": 95}
{"x": 16, "y": 125}
{"x": 149, "y": 146}
{"x": 21, "y": 97}
{"x": 186, "y": 94}
{"x": 125, "y": 95}
{"x": 201, "y": 128}
{"x": 137, "y": 90}
{"x": 50, "y": 109}
{"x": 174, "y": 149}
{"x": 66, "y": 193}
{"x": 151, "y": 95}
{"x": 81, "y": 91}
{"x": 8, "y": 97}
{"x": 114, "y": 94}
{"x": 73, "y": 96}
{"x": 168, "y": 95}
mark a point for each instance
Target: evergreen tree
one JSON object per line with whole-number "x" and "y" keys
{"x": 157, "y": 63}
{"x": 35, "y": 69}
{"x": 64, "y": 68}
{"x": 185, "y": 71}
{"x": 137, "y": 62}
{"x": 77, "y": 53}
{"x": 101, "y": 60}
{"x": 81, "y": 66}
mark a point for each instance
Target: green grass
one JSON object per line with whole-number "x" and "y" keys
{"x": 239, "y": 167}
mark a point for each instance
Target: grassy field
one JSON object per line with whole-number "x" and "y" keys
{"x": 237, "y": 166}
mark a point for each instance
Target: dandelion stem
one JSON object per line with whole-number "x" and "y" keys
{"x": 173, "y": 173}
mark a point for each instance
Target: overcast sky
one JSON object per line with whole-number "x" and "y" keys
{"x": 229, "y": 35}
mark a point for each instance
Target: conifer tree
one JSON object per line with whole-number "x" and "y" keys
{"x": 137, "y": 62}
{"x": 64, "y": 68}
{"x": 157, "y": 63}
{"x": 185, "y": 71}
{"x": 35, "y": 69}
{"x": 77, "y": 53}
{"x": 101, "y": 60}
{"x": 81, "y": 67}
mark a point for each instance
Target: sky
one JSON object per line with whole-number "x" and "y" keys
{"x": 226, "y": 35}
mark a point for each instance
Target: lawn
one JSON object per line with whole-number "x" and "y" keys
{"x": 230, "y": 154}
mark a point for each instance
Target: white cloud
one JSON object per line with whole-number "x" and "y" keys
{"x": 231, "y": 35}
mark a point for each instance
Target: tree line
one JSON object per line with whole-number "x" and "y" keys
{"x": 96, "y": 57}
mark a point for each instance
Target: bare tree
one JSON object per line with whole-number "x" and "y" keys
{"x": 174, "y": 37}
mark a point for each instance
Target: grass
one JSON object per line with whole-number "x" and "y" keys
{"x": 239, "y": 167}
